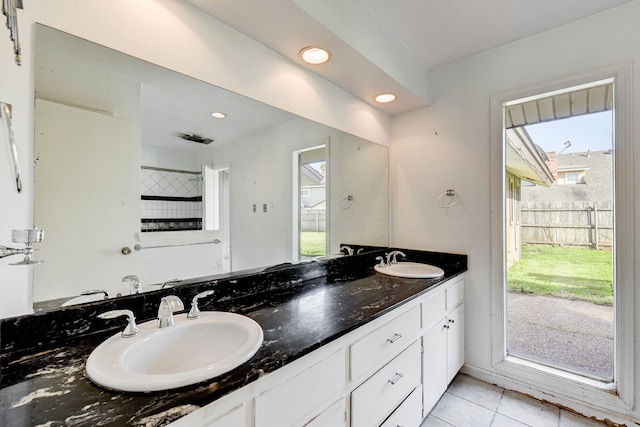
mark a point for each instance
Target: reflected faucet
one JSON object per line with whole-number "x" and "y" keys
{"x": 170, "y": 282}
{"x": 96, "y": 291}
{"x": 135, "y": 287}
{"x": 346, "y": 249}
{"x": 168, "y": 305}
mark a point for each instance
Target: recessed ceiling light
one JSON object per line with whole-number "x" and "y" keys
{"x": 218, "y": 115}
{"x": 383, "y": 98}
{"x": 314, "y": 55}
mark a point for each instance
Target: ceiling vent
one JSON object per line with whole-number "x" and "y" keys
{"x": 195, "y": 138}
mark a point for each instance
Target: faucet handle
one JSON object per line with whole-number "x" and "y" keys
{"x": 194, "y": 313}
{"x": 131, "y": 330}
{"x": 381, "y": 264}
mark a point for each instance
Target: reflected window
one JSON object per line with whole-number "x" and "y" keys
{"x": 310, "y": 235}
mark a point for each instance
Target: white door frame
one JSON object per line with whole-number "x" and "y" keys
{"x": 580, "y": 393}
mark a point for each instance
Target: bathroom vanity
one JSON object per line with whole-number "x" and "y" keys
{"x": 343, "y": 346}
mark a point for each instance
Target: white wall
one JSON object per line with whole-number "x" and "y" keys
{"x": 356, "y": 167}
{"x": 174, "y": 35}
{"x": 448, "y": 146}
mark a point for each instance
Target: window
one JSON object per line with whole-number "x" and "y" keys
{"x": 567, "y": 178}
{"x": 309, "y": 203}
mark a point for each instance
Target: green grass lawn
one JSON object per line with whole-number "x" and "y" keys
{"x": 313, "y": 243}
{"x": 576, "y": 273}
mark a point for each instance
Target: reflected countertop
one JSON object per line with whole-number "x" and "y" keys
{"x": 48, "y": 386}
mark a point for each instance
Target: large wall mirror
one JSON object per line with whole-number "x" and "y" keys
{"x": 135, "y": 176}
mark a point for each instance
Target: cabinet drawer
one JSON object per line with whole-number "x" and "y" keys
{"x": 455, "y": 295}
{"x": 409, "y": 413}
{"x": 333, "y": 416}
{"x": 434, "y": 308}
{"x": 233, "y": 418}
{"x": 381, "y": 394}
{"x": 377, "y": 346}
{"x": 298, "y": 396}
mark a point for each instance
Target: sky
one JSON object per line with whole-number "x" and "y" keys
{"x": 589, "y": 132}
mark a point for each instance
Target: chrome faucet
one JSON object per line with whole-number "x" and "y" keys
{"x": 194, "y": 313}
{"x": 135, "y": 287}
{"x": 168, "y": 305}
{"x": 392, "y": 257}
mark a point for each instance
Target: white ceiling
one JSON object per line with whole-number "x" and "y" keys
{"x": 368, "y": 37}
{"x": 76, "y": 72}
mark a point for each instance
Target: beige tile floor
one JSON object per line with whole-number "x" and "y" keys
{"x": 473, "y": 403}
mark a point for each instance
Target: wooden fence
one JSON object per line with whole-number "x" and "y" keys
{"x": 586, "y": 224}
{"x": 313, "y": 220}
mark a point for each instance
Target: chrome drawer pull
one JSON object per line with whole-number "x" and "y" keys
{"x": 396, "y": 378}
{"x": 394, "y": 338}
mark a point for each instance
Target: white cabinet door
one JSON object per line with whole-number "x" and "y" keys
{"x": 455, "y": 342}
{"x": 297, "y": 397}
{"x": 434, "y": 364}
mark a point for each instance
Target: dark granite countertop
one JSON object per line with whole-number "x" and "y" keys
{"x": 46, "y": 385}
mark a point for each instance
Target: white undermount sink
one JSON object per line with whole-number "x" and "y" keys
{"x": 186, "y": 353}
{"x": 412, "y": 270}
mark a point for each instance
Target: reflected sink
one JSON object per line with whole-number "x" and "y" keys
{"x": 82, "y": 299}
{"x": 189, "y": 352}
{"x": 412, "y": 270}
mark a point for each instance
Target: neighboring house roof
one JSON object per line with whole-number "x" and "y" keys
{"x": 525, "y": 159}
{"x": 313, "y": 196}
{"x": 320, "y": 205}
{"x": 310, "y": 176}
{"x": 597, "y": 184}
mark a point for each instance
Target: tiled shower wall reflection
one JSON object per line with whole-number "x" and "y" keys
{"x": 171, "y": 199}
